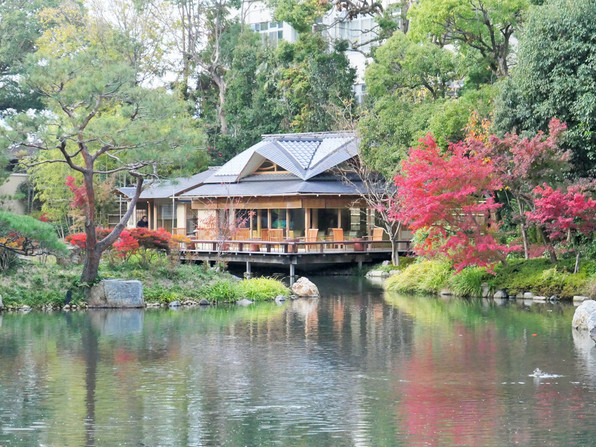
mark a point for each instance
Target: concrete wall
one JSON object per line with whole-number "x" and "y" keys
{"x": 10, "y": 189}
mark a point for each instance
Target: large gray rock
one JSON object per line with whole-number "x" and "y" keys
{"x": 305, "y": 287}
{"x": 501, "y": 294}
{"x": 116, "y": 293}
{"x": 582, "y": 315}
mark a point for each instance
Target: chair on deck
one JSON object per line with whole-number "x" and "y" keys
{"x": 377, "y": 235}
{"x": 241, "y": 234}
{"x": 338, "y": 236}
{"x": 276, "y": 235}
{"x": 312, "y": 235}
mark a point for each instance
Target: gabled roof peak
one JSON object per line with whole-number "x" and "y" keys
{"x": 308, "y": 135}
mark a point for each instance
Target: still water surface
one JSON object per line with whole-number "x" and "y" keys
{"x": 354, "y": 368}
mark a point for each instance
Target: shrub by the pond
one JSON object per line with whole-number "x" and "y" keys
{"x": 428, "y": 276}
{"x": 259, "y": 289}
{"x": 538, "y": 276}
{"x": 468, "y": 282}
{"x": 541, "y": 277}
{"x": 255, "y": 289}
{"x": 222, "y": 292}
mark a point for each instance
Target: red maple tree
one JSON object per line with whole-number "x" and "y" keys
{"x": 449, "y": 196}
{"x": 521, "y": 164}
{"x": 567, "y": 216}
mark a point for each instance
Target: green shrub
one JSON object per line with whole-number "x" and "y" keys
{"x": 541, "y": 277}
{"x": 426, "y": 276}
{"x": 468, "y": 282}
{"x": 222, "y": 291}
{"x": 260, "y": 289}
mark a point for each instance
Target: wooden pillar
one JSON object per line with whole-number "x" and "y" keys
{"x": 259, "y": 214}
{"x": 292, "y": 271}
{"x": 250, "y": 225}
{"x": 339, "y": 218}
{"x": 306, "y": 220}
{"x": 248, "y": 273}
{"x": 269, "y": 219}
{"x": 287, "y": 222}
{"x": 155, "y": 211}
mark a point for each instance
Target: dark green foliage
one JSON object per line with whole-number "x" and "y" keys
{"x": 25, "y": 235}
{"x": 537, "y": 275}
{"x": 541, "y": 277}
{"x": 294, "y": 87}
{"x": 411, "y": 92}
{"x": 555, "y": 78}
{"x": 19, "y": 28}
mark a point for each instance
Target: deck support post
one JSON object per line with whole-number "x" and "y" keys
{"x": 248, "y": 273}
{"x": 360, "y": 264}
{"x": 292, "y": 270}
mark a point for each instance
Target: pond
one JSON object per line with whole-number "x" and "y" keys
{"x": 354, "y": 368}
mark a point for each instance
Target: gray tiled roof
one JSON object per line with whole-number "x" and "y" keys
{"x": 304, "y": 155}
{"x": 167, "y": 188}
{"x": 269, "y": 187}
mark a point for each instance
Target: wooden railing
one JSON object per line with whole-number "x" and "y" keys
{"x": 291, "y": 246}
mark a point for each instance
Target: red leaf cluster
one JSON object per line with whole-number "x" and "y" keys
{"x": 450, "y": 196}
{"x": 564, "y": 214}
{"x": 79, "y": 192}
{"x": 130, "y": 240}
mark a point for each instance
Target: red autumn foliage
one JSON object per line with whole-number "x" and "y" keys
{"x": 152, "y": 239}
{"x": 564, "y": 214}
{"x": 143, "y": 238}
{"x": 126, "y": 244}
{"x": 80, "y": 239}
{"x": 523, "y": 163}
{"x": 79, "y": 192}
{"x": 450, "y": 196}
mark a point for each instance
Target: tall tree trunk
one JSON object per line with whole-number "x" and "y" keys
{"x": 549, "y": 247}
{"x": 221, "y": 113}
{"x": 404, "y": 22}
{"x": 524, "y": 231}
{"x": 91, "y": 266}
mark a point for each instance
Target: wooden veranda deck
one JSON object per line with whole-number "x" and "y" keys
{"x": 291, "y": 252}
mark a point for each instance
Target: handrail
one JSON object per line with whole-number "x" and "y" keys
{"x": 287, "y": 246}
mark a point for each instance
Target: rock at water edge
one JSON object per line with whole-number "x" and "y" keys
{"x": 116, "y": 293}
{"x": 305, "y": 287}
{"x": 501, "y": 294}
{"x": 244, "y": 302}
{"x": 582, "y": 315}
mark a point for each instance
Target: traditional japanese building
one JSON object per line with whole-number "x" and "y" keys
{"x": 290, "y": 183}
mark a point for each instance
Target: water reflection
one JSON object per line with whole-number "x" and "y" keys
{"x": 351, "y": 368}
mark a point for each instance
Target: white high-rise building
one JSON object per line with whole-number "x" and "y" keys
{"x": 361, "y": 33}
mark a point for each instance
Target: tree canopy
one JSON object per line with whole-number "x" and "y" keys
{"x": 555, "y": 78}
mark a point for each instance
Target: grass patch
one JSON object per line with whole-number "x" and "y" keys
{"x": 260, "y": 289}
{"x": 538, "y": 276}
{"x": 468, "y": 282}
{"x": 541, "y": 277}
{"x": 427, "y": 277}
{"x": 36, "y": 284}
